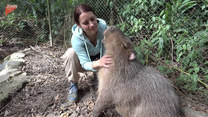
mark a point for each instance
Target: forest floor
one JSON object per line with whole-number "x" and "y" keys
{"x": 46, "y": 94}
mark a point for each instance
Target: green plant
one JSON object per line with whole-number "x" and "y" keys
{"x": 1, "y": 42}
{"x": 178, "y": 34}
{"x": 36, "y": 11}
{"x": 175, "y": 32}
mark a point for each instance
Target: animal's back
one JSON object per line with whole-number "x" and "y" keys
{"x": 158, "y": 97}
{"x": 147, "y": 94}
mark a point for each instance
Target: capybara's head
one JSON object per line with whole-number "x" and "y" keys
{"x": 116, "y": 42}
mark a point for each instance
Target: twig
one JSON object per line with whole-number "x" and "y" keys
{"x": 119, "y": 16}
{"x": 4, "y": 107}
{"x": 180, "y": 70}
{"x": 147, "y": 57}
{"x": 171, "y": 50}
{"x": 39, "y": 52}
{"x": 43, "y": 55}
{"x": 121, "y": 19}
{"x": 49, "y": 22}
{"x": 189, "y": 75}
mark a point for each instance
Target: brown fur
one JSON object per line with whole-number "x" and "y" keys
{"x": 135, "y": 90}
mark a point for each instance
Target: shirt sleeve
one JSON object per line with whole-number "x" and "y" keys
{"x": 79, "y": 47}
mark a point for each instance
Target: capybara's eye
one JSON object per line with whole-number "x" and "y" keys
{"x": 111, "y": 28}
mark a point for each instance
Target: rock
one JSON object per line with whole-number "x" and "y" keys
{"x": 12, "y": 79}
{"x": 3, "y": 64}
{"x": 14, "y": 60}
{"x": 191, "y": 113}
{"x": 8, "y": 73}
{"x": 4, "y": 53}
{"x": 10, "y": 87}
{"x": 16, "y": 55}
{"x": 15, "y": 63}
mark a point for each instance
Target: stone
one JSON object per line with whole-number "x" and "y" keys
{"x": 11, "y": 78}
{"x": 6, "y": 74}
{"x": 11, "y": 87}
{"x": 192, "y": 113}
{"x": 6, "y": 71}
{"x": 15, "y": 63}
{"x": 14, "y": 60}
{"x": 3, "y": 64}
{"x": 16, "y": 55}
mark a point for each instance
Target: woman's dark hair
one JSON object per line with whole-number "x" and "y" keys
{"x": 80, "y": 9}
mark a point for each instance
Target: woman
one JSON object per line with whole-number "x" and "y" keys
{"x": 87, "y": 49}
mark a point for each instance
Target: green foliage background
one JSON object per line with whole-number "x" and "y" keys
{"x": 177, "y": 33}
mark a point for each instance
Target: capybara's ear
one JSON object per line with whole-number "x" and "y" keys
{"x": 124, "y": 45}
{"x": 132, "y": 56}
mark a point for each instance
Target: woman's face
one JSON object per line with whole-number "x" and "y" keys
{"x": 88, "y": 22}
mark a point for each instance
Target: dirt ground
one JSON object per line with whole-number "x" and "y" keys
{"x": 46, "y": 94}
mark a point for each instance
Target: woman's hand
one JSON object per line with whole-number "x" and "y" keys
{"x": 105, "y": 61}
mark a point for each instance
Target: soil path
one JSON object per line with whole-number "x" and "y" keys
{"x": 45, "y": 95}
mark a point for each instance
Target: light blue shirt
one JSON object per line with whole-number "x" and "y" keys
{"x": 84, "y": 48}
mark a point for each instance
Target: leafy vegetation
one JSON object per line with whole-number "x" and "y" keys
{"x": 35, "y": 12}
{"x": 175, "y": 32}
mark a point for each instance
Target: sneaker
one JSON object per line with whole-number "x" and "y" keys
{"x": 72, "y": 96}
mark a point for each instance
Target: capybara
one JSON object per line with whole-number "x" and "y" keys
{"x": 135, "y": 90}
